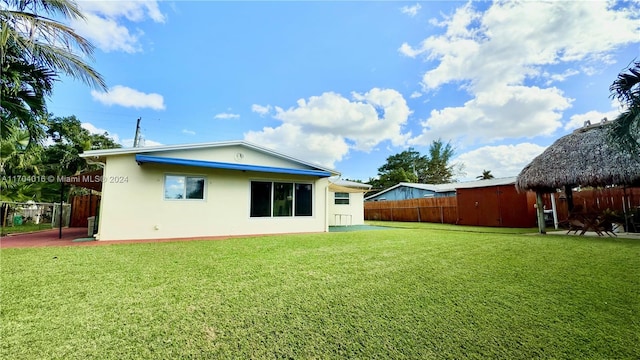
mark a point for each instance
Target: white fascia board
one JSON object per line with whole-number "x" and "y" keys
{"x": 163, "y": 148}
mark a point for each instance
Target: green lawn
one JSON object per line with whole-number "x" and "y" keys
{"x": 419, "y": 292}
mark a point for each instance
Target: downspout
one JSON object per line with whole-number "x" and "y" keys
{"x": 103, "y": 165}
{"x": 326, "y": 207}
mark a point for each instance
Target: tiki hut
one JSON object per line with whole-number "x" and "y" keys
{"x": 585, "y": 157}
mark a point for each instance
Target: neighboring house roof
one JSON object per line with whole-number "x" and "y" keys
{"x": 339, "y": 185}
{"x": 450, "y": 187}
{"x": 317, "y": 170}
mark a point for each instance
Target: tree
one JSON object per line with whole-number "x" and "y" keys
{"x": 402, "y": 167}
{"x": 411, "y": 166}
{"x": 24, "y": 87}
{"x": 626, "y": 89}
{"x": 486, "y": 175}
{"x": 70, "y": 139}
{"x": 34, "y": 51}
{"x": 62, "y": 157}
{"x": 43, "y": 42}
{"x": 438, "y": 167}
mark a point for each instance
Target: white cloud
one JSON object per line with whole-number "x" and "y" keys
{"x": 411, "y": 10}
{"x": 188, "y": 132}
{"x": 494, "y": 54}
{"x": 98, "y": 131}
{"x": 415, "y": 95}
{"x": 511, "y": 40}
{"x": 509, "y": 112}
{"x": 594, "y": 117}
{"x": 124, "y": 142}
{"x": 107, "y": 35}
{"x": 323, "y": 128}
{"x": 104, "y": 26}
{"x": 261, "y": 110}
{"x": 128, "y": 97}
{"x": 502, "y": 160}
{"x": 226, "y": 116}
{"x": 143, "y": 142}
{"x": 136, "y": 11}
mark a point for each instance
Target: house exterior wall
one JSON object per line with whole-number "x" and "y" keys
{"x": 343, "y": 214}
{"x": 231, "y": 154}
{"x": 133, "y": 204}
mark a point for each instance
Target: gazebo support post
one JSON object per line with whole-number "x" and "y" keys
{"x": 540, "y": 208}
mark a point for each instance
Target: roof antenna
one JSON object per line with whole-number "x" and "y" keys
{"x": 136, "y": 138}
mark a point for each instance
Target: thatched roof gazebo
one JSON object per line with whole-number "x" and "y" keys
{"x": 585, "y": 157}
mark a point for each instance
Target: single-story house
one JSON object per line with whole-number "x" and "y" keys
{"x": 346, "y": 203}
{"x": 210, "y": 189}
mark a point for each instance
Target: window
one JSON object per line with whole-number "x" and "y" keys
{"x": 260, "y": 199}
{"x": 281, "y": 199}
{"x": 304, "y": 200}
{"x": 341, "y": 198}
{"x": 178, "y": 187}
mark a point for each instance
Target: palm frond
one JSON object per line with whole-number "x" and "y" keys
{"x": 626, "y": 88}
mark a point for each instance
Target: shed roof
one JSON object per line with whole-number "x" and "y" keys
{"x": 585, "y": 157}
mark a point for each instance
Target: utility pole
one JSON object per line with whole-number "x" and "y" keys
{"x": 137, "y": 137}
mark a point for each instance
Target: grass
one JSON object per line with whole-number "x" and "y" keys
{"x": 25, "y": 227}
{"x": 416, "y": 292}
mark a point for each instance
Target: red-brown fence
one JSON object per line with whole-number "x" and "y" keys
{"x": 445, "y": 209}
{"x": 436, "y": 210}
{"x": 596, "y": 200}
{"x": 81, "y": 208}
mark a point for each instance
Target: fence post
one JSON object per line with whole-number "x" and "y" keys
{"x": 418, "y": 208}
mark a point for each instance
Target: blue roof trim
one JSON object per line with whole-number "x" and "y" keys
{"x": 140, "y": 159}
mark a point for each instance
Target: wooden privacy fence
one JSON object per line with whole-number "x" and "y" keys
{"x": 445, "y": 209}
{"x": 82, "y": 207}
{"x": 436, "y": 210}
{"x": 616, "y": 199}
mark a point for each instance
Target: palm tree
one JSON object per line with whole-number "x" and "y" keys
{"x": 34, "y": 51}
{"x": 486, "y": 175}
{"x": 43, "y": 42}
{"x": 626, "y": 89}
{"x": 24, "y": 88}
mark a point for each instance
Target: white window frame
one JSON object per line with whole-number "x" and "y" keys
{"x": 184, "y": 176}
{"x": 336, "y": 198}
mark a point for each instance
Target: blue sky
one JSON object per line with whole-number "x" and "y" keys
{"x": 347, "y": 84}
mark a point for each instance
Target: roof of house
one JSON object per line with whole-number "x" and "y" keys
{"x": 139, "y": 151}
{"x": 585, "y": 157}
{"x": 450, "y": 187}
{"x": 338, "y": 185}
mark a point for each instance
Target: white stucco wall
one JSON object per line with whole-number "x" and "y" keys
{"x": 133, "y": 204}
{"x": 342, "y": 214}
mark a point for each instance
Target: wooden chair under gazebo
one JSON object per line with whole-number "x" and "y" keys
{"x": 585, "y": 158}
